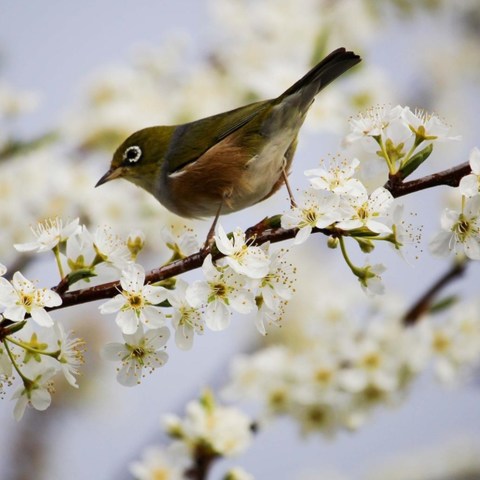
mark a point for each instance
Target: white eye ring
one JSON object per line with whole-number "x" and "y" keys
{"x": 132, "y": 154}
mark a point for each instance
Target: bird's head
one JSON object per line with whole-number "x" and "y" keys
{"x": 140, "y": 157}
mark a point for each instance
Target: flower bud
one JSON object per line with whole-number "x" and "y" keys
{"x": 135, "y": 243}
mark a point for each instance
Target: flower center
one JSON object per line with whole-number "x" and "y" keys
{"x": 310, "y": 216}
{"x": 135, "y": 301}
{"x": 462, "y": 228}
{"x": 371, "y": 361}
{"x": 26, "y": 300}
{"x": 160, "y": 474}
{"x": 323, "y": 375}
{"x": 362, "y": 212}
{"x": 219, "y": 290}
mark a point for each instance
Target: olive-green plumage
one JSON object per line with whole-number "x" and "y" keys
{"x": 228, "y": 161}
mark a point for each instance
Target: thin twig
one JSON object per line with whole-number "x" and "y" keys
{"x": 450, "y": 177}
{"x": 423, "y": 304}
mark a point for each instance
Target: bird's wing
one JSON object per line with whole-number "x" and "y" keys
{"x": 191, "y": 140}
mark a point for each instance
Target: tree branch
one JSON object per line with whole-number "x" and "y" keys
{"x": 450, "y": 177}
{"x": 258, "y": 234}
{"x": 423, "y": 304}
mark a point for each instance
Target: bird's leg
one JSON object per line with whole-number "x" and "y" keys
{"x": 293, "y": 203}
{"x": 211, "y": 233}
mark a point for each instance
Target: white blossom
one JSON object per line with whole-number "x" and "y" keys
{"x": 186, "y": 319}
{"x": 363, "y": 210}
{"x": 317, "y": 209}
{"x": 371, "y": 280}
{"x": 71, "y": 354}
{"x": 225, "y": 430}
{"x": 426, "y": 126}
{"x": 183, "y": 245}
{"x": 223, "y": 290}
{"x": 49, "y": 234}
{"x": 3, "y": 269}
{"x": 21, "y": 297}
{"x": 110, "y": 248}
{"x": 158, "y": 463}
{"x": 140, "y": 350}
{"x": 243, "y": 258}
{"x": 274, "y": 290}
{"x": 470, "y": 184}
{"x": 382, "y": 122}
{"x": 137, "y": 302}
{"x": 337, "y": 178}
{"x": 460, "y": 231}
{"x": 35, "y": 391}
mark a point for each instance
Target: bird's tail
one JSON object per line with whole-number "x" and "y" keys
{"x": 331, "y": 67}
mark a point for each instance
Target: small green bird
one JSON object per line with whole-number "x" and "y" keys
{"x": 226, "y": 162}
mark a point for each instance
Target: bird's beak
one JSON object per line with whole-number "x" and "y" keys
{"x": 110, "y": 175}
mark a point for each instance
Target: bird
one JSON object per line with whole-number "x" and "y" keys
{"x": 226, "y": 162}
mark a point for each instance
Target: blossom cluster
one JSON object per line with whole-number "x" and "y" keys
{"x": 34, "y": 346}
{"x": 207, "y": 431}
{"x": 399, "y": 137}
{"x": 340, "y": 204}
{"x": 248, "y": 280}
{"x": 336, "y": 365}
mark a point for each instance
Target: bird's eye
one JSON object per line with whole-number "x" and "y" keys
{"x": 132, "y": 154}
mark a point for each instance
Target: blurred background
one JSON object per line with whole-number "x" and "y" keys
{"x": 76, "y": 81}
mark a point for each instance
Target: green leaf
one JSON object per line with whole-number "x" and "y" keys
{"x": 81, "y": 274}
{"x": 414, "y": 162}
{"x": 443, "y": 304}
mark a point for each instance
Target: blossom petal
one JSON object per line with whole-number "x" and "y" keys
{"x": 127, "y": 321}
{"x": 217, "y": 316}
{"x": 41, "y": 317}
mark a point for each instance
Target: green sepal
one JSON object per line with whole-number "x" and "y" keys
{"x": 366, "y": 245}
{"x": 360, "y": 232}
{"x": 414, "y": 162}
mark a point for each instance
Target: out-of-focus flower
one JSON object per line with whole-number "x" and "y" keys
{"x": 21, "y": 297}
{"x": 225, "y": 431}
{"x": 35, "y": 390}
{"x": 158, "y": 463}
{"x": 237, "y": 473}
{"x": 135, "y": 243}
{"x": 140, "y": 350}
{"x": 14, "y": 102}
{"x": 182, "y": 245}
{"x": 137, "y": 302}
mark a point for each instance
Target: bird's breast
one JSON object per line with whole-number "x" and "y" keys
{"x": 228, "y": 174}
